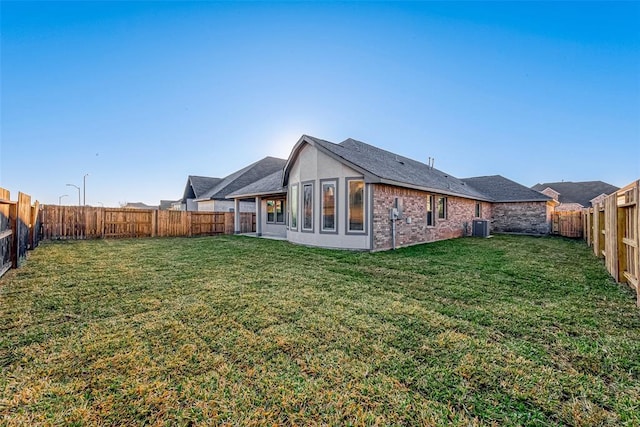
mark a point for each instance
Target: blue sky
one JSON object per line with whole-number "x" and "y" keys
{"x": 142, "y": 94}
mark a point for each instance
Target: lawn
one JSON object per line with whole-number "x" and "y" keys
{"x": 235, "y": 330}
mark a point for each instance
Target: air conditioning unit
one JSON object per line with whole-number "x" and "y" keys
{"x": 480, "y": 228}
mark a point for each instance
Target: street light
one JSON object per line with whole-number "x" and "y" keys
{"x": 60, "y": 199}
{"x": 73, "y": 185}
{"x": 84, "y": 188}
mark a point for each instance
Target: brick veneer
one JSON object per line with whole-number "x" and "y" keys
{"x": 521, "y": 217}
{"x": 412, "y": 227}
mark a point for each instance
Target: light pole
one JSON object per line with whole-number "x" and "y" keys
{"x": 84, "y": 188}
{"x": 60, "y": 199}
{"x": 73, "y": 185}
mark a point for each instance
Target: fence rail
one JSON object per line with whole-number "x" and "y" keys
{"x": 73, "y": 222}
{"x": 611, "y": 229}
{"x": 19, "y": 229}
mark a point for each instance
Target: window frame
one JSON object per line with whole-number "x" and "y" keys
{"x": 275, "y": 202}
{"x": 293, "y": 206}
{"x": 430, "y": 210}
{"x": 442, "y": 213}
{"x": 478, "y": 212}
{"x": 348, "y": 230}
{"x": 334, "y": 183}
{"x": 307, "y": 184}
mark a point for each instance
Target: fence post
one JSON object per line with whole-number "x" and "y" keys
{"x": 15, "y": 241}
{"x": 154, "y": 223}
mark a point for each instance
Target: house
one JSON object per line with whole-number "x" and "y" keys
{"x": 166, "y": 205}
{"x": 353, "y": 195}
{"x": 573, "y": 196}
{"x": 214, "y": 199}
{"x": 139, "y": 205}
{"x": 196, "y": 187}
{"x": 515, "y": 208}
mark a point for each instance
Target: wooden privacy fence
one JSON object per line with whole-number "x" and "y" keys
{"x": 81, "y": 222}
{"x": 611, "y": 228}
{"x": 567, "y": 223}
{"x": 19, "y": 229}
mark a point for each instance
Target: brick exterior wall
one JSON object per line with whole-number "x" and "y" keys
{"x": 521, "y": 217}
{"x": 412, "y": 228}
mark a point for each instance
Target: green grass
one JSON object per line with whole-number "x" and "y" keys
{"x": 243, "y": 331}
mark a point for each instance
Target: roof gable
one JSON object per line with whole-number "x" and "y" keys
{"x": 578, "y": 192}
{"x": 243, "y": 177}
{"x": 197, "y": 185}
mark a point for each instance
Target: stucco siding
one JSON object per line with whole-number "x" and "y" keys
{"x": 224, "y": 206}
{"x": 271, "y": 229}
{"x": 314, "y": 166}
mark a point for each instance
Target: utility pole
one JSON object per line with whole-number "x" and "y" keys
{"x": 84, "y": 188}
{"x": 78, "y": 188}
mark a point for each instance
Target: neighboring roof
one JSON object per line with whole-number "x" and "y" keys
{"x": 578, "y": 192}
{"x": 198, "y": 185}
{"x": 501, "y": 189}
{"x": 242, "y": 178}
{"x": 166, "y": 204}
{"x": 270, "y": 184}
{"x": 139, "y": 205}
{"x": 382, "y": 166}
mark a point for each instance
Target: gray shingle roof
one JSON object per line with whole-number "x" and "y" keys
{"x": 139, "y": 205}
{"x": 245, "y": 176}
{"x": 198, "y": 185}
{"x": 501, "y": 189}
{"x": 398, "y": 170}
{"x": 578, "y": 192}
{"x": 270, "y": 184}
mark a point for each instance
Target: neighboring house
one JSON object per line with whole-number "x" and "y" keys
{"x": 515, "y": 208}
{"x": 139, "y": 205}
{"x": 344, "y": 195}
{"x": 196, "y": 186}
{"x": 573, "y": 196}
{"x": 215, "y": 197}
{"x": 166, "y": 205}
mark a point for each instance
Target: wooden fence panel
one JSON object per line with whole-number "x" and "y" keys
{"x": 171, "y": 224}
{"x": 73, "y": 222}
{"x": 124, "y": 223}
{"x": 567, "y": 223}
{"x": 615, "y": 234}
{"x": 35, "y": 233}
{"x": 6, "y": 232}
{"x": 23, "y": 226}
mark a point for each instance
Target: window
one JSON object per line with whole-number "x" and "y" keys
{"x": 307, "y": 207}
{"x": 271, "y": 211}
{"x": 280, "y": 211}
{"x": 275, "y": 211}
{"x": 355, "y": 208}
{"x": 431, "y": 221}
{"x": 442, "y": 207}
{"x": 328, "y": 208}
{"x": 293, "y": 203}
{"x": 478, "y": 209}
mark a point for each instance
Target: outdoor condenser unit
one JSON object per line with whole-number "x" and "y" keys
{"x": 480, "y": 228}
